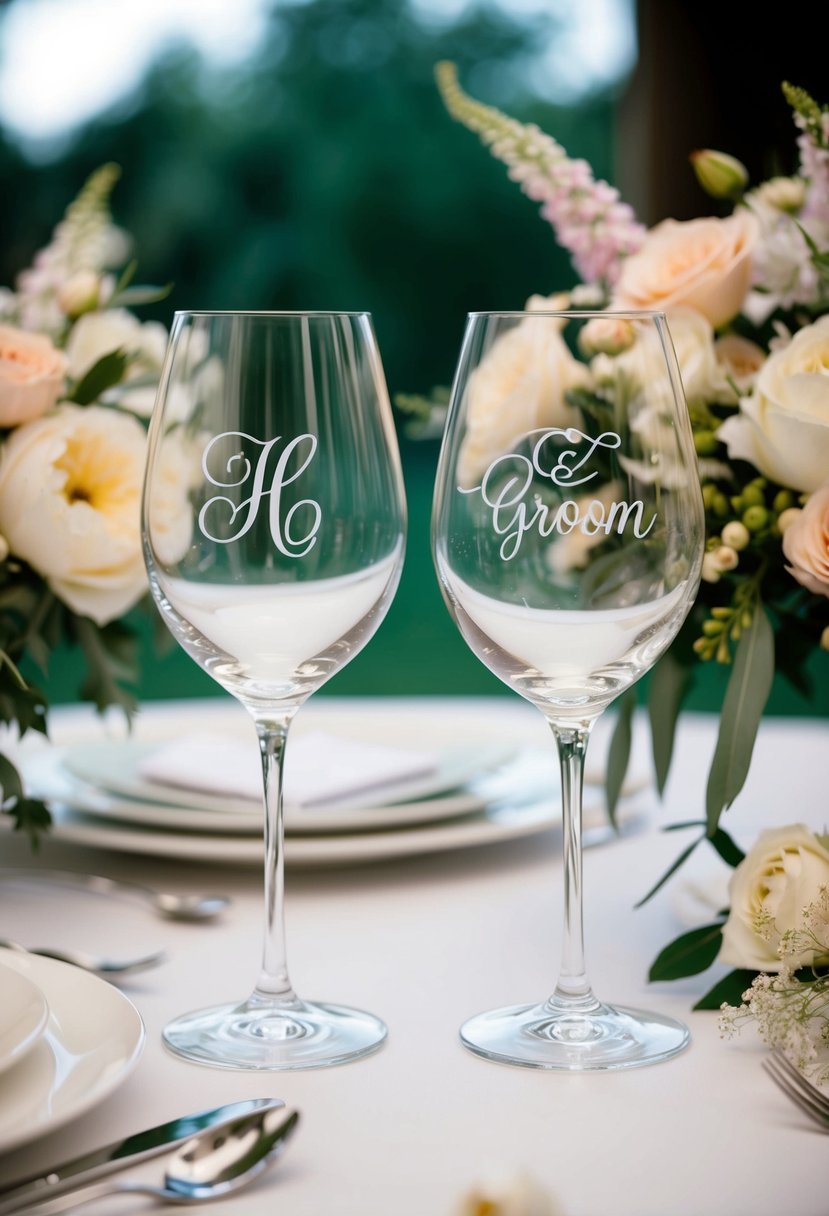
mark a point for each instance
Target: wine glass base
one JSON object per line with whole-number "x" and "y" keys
{"x": 272, "y": 1038}
{"x": 602, "y": 1038}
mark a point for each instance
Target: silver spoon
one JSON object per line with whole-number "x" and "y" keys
{"x": 210, "y": 1165}
{"x": 91, "y": 962}
{"x": 187, "y": 907}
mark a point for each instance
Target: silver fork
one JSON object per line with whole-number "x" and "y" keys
{"x": 802, "y": 1092}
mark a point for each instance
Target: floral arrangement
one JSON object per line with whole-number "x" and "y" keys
{"x": 78, "y": 373}
{"x": 746, "y": 294}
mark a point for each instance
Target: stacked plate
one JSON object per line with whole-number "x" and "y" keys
{"x": 67, "y": 1039}
{"x": 358, "y": 787}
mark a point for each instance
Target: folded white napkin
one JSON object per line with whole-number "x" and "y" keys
{"x": 320, "y": 768}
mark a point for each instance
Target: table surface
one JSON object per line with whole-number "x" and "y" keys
{"x": 427, "y": 941}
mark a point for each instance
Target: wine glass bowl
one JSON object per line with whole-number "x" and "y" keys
{"x": 273, "y": 524}
{"x": 568, "y": 535}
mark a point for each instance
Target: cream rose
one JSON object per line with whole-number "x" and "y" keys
{"x": 31, "y": 375}
{"x": 783, "y": 426}
{"x": 70, "y": 488}
{"x": 518, "y": 386}
{"x": 806, "y": 543}
{"x": 701, "y": 264}
{"x": 769, "y": 889}
{"x": 96, "y": 334}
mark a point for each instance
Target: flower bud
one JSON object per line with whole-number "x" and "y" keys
{"x": 724, "y": 558}
{"x": 783, "y": 499}
{"x": 79, "y": 294}
{"x": 710, "y": 571}
{"x": 752, "y": 496}
{"x": 783, "y": 193}
{"x": 788, "y": 517}
{"x": 824, "y": 639}
{"x": 720, "y": 175}
{"x": 607, "y": 336}
{"x": 705, "y": 443}
{"x": 736, "y": 535}
{"x": 755, "y": 518}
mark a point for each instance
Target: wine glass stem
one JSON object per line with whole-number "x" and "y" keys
{"x": 573, "y": 988}
{"x": 274, "y": 985}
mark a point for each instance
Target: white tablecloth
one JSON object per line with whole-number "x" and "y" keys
{"x": 425, "y": 942}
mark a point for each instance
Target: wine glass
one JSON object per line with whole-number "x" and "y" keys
{"x": 568, "y": 539}
{"x": 273, "y": 522}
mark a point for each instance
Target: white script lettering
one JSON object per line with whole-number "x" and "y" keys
{"x": 237, "y": 472}
{"x": 515, "y": 512}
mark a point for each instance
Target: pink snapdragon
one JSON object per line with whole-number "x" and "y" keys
{"x": 588, "y": 217}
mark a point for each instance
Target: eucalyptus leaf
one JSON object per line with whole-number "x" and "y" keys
{"x": 727, "y": 991}
{"x": 669, "y": 685}
{"x": 730, "y": 852}
{"x": 689, "y": 954}
{"x": 132, "y": 297}
{"x": 618, "y": 756}
{"x": 672, "y": 869}
{"x": 745, "y": 699}
{"x": 108, "y": 371}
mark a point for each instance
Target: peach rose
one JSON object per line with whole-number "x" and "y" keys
{"x": 31, "y": 375}
{"x": 701, "y": 264}
{"x": 806, "y": 543}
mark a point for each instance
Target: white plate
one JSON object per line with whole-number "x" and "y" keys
{"x": 494, "y": 825}
{"x": 47, "y": 777}
{"x": 24, "y": 1012}
{"x": 116, "y": 768}
{"x": 93, "y": 1040}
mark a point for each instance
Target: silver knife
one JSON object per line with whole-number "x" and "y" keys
{"x": 139, "y": 1147}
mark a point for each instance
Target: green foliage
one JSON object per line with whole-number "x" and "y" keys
{"x": 106, "y": 373}
{"x": 745, "y": 700}
{"x": 689, "y": 954}
{"x": 619, "y": 752}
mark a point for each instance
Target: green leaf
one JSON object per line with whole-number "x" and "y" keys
{"x": 669, "y": 686}
{"x": 107, "y": 372}
{"x": 745, "y": 699}
{"x": 729, "y": 990}
{"x": 112, "y": 658}
{"x": 683, "y": 857}
{"x": 132, "y": 297}
{"x": 689, "y": 954}
{"x": 10, "y": 781}
{"x": 730, "y": 852}
{"x": 618, "y": 755}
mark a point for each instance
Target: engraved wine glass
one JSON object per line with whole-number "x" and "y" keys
{"x": 568, "y": 538}
{"x": 273, "y": 521}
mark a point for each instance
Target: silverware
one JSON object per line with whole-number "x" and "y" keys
{"x": 122, "y": 1154}
{"x": 105, "y": 967}
{"x": 187, "y": 907}
{"x": 796, "y": 1087}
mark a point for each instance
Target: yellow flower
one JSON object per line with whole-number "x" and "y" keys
{"x": 70, "y": 489}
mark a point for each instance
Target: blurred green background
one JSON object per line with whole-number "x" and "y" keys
{"x": 316, "y": 168}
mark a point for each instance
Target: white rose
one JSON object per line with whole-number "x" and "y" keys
{"x": 178, "y": 471}
{"x": 783, "y": 426}
{"x": 96, "y": 334}
{"x": 518, "y": 387}
{"x": 702, "y": 264}
{"x": 780, "y": 876}
{"x": 70, "y": 489}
